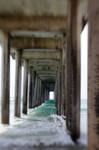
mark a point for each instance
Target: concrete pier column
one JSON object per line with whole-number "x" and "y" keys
{"x": 33, "y": 87}
{"x": 64, "y": 74}
{"x": 18, "y": 84}
{"x": 35, "y": 92}
{"x": 46, "y": 93}
{"x": 25, "y": 88}
{"x": 93, "y": 75}
{"x": 62, "y": 90}
{"x": 39, "y": 92}
{"x": 73, "y": 68}
{"x": 42, "y": 92}
{"x": 63, "y": 82}
{"x": 5, "y": 80}
{"x": 59, "y": 92}
{"x": 69, "y": 90}
{"x": 56, "y": 93}
{"x": 30, "y": 87}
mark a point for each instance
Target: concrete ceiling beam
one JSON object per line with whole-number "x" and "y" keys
{"x": 48, "y": 78}
{"x": 46, "y": 73}
{"x": 40, "y": 55}
{"x": 44, "y": 62}
{"x": 39, "y": 50}
{"x": 45, "y": 68}
{"x": 36, "y": 23}
{"x": 37, "y": 34}
{"x": 29, "y": 42}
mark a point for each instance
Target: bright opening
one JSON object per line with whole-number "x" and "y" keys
{"x": 51, "y": 95}
{"x": 84, "y": 65}
{"x": 12, "y": 87}
{"x": 84, "y": 75}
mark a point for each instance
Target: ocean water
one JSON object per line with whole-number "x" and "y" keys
{"x": 41, "y": 128}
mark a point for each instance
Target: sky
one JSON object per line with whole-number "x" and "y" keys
{"x": 84, "y": 47}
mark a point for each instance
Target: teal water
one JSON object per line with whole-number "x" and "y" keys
{"x": 41, "y": 127}
{"x": 46, "y": 109}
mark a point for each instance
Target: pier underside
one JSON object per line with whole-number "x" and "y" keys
{"x": 43, "y": 37}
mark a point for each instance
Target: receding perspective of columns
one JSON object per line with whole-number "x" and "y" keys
{"x": 5, "y": 80}
{"x": 93, "y": 76}
{"x": 25, "y": 88}
{"x": 45, "y": 40}
{"x": 18, "y": 84}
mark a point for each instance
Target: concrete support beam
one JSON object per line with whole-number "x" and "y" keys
{"x": 56, "y": 95}
{"x": 25, "y": 88}
{"x": 43, "y": 43}
{"x": 35, "y": 92}
{"x": 63, "y": 90}
{"x": 59, "y": 92}
{"x": 38, "y": 92}
{"x": 45, "y": 68}
{"x": 93, "y": 76}
{"x": 26, "y": 54}
{"x": 18, "y": 84}
{"x": 42, "y": 23}
{"x": 64, "y": 79}
{"x": 31, "y": 87}
{"x": 46, "y": 93}
{"x": 42, "y": 92}
{"x": 39, "y": 97}
{"x": 5, "y": 80}
{"x": 73, "y": 71}
{"x": 44, "y": 62}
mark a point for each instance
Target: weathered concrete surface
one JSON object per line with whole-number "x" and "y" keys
{"x": 59, "y": 91}
{"x": 5, "y": 90}
{"x": 30, "y": 42}
{"x": 75, "y": 15}
{"x": 25, "y": 88}
{"x": 31, "y": 87}
{"x": 73, "y": 70}
{"x": 18, "y": 84}
{"x": 35, "y": 91}
{"x": 93, "y": 76}
{"x": 32, "y": 7}
{"x": 42, "y": 23}
{"x": 29, "y": 54}
{"x": 49, "y": 16}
